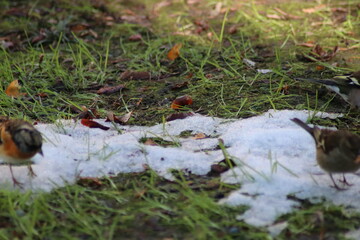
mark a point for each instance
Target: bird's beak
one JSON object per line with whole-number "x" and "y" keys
{"x": 41, "y": 152}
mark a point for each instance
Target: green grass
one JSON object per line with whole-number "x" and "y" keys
{"x": 69, "y": 67}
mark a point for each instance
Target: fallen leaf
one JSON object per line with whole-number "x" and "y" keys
{"x": 135, "y": 37}
{"x": 202, "y": 26}
{"x": 284, "y": 89}
{"x": 92, "y": 124}
{"x": 286, "y": 15}
{"x": 86, "y": 113}
{"x": 139, "y": 102}
{"x": 180, "y": 115}
{"x": 110, "y": 89}
{"x": 125, "y": 118}
{"x": 181, "y": 101}
{"x": 41, "y": 58}
{"x": 314, "y": 9}
{"x": 79, "y": 27}
{"x": 216, "y": 170}
{"x": 131, "y": 75}
{"x": 42, "y": 95}
{"x": 137, "y": 19}
{"x": 140, "y": 194}
{"x": 18, "y": 12}
{"x": 222, "y": 166}
{"x": 318, "y": 53}
{"x": 199, "y": 136}
{"x": 89, "y": 182}
{"x": 233, "y": 29}
{"x": 307, "y": 44}
{"x": 160, "y": 5}
{"x": 179, "y": 85}
{"x": 13, "y": 90}
{"x": 38, "y": 38}
{"x": 111, "y": 117}
{"x": 320, "y": 68}
{"x": 190, "y": 75}
{"x": 274, "y": 16}
{"x": 174, "y": 52}
{"x": 150, "y": 142}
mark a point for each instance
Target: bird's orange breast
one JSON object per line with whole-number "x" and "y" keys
{"x": 10, "y": 149}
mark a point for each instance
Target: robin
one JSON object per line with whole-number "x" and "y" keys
{"x": 19, "y": 142}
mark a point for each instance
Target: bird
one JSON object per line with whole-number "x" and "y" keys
{"x": 347, "y": 86}
{"x": 337, "y": 151}
{"x": 19, "y": 142}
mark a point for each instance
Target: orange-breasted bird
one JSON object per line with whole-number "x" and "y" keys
{"x": 19, "y": 142}
{"x": 337, "y": 151}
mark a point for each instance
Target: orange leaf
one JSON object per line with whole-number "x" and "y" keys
{"x": 199, "y": 136}
{"x": 174, "y": 53}
{"x": 320, "y": 68}
{"x": 181, "y": 101}
{"x": 92, "y": 124}
{"x": 13, "y": 89}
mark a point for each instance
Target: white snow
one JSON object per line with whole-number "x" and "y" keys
{"x": 275, "y": 157}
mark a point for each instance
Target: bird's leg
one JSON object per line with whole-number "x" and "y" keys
{"x": 335, "y": 185}
{"x": 344, "y": 181}
{"x": 31, "y": 173}
{"x": 15, "y": 182}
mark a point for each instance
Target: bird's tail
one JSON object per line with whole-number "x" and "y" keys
{"x": 322, "y": 81}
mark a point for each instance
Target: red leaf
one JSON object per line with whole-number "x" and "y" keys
{"x": 181, "y": 101}
{"x": 92, "y": 124}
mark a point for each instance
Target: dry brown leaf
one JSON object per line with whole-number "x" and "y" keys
{"x": 86, "y": 113}
{"x": 179, "y": 85}
{"x": 320, "y": 54}
{"x": 314, "y": 9}
{"x": 274, "y": 16}
{"x": 125, "y": 118}
{"x": 174, "y": 52}
{"x": 150, "y": 142}
{"x": 135, "y": 37}
{"x": 139, "y": 194}
{"x": 180, "y": 115}
{"x": 131, "y": 75}
{"x": 110, "y": 89}
{"x": 42, "y": 95}
{"x": 307, "y": 44}
{"x": 111, "y": 117}
{"x": 233, "y": 29}
{"x": 89, "y": 182}
{"x": 286, "y": 15}
{"x": 79, "y": 27}
{"x": 160, "y": 5}
{"x": 13, "y": 90}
